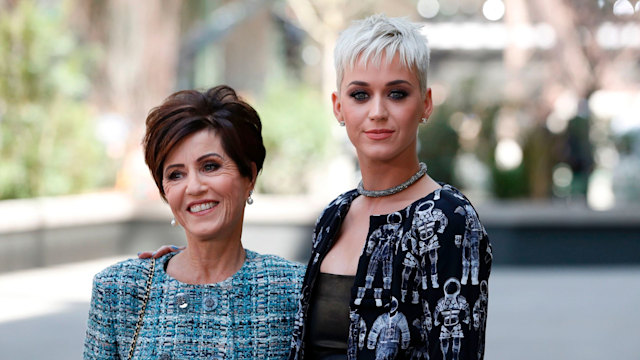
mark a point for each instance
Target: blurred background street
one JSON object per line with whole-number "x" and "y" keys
{"x": 536, "y": 119}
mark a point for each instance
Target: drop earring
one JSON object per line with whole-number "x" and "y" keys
{"x": 423, "y": 120}
{"x": 250, "y": 199}
{"x": 341, "y": 123}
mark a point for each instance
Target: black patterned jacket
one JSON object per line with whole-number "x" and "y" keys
{"x": 421, "y": 288}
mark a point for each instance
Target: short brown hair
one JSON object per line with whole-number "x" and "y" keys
{"x": 189, "y": 111}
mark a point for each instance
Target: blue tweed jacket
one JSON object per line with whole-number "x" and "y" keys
{"x": 247, "y": 316}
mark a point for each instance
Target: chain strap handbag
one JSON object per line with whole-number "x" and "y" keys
{"x": 144, "y": 308}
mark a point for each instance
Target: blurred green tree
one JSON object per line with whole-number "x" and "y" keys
{"x": 47, "y": 140}
{"x": 296, "y": 135}
{"x": 439, "y": 145}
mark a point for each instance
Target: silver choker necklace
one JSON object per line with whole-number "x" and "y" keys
{"x": 395, "y": 189}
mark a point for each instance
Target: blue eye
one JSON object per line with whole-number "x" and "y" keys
{"x": 359, "y": 95}
{"x": 174, "y": 175}
{"x": 398, "y": 94}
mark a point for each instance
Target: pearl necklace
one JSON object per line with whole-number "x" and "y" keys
{"x": 395, "y": 189}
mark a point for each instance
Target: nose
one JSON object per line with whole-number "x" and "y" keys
{"x": 378, "y": 109}
{"x": 195, "y": 185}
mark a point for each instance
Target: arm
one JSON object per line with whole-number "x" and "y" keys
{"x": 461, "y": 265}
{"x": 100, "y": 341}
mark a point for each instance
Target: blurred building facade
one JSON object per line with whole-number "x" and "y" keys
{"x": 534, "y": 101}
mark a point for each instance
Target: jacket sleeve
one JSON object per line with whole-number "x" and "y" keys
{"x": 458, "y": 263}
{"x": 100, "y": 341}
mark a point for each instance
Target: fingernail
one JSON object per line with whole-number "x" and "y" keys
{"x": 173, "y": 247}
{"x": 139, "y": 253}
{"x": 154, "y": 253}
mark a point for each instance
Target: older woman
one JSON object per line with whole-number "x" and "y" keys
{"x": 400, "y": 265}
{"x": 214, "y": 299}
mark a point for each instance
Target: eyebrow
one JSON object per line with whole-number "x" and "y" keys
{"x": 212, "y": 154}
{"x": 390, "y": 83}
{"x": 398, "y": 82}
{"x": 358, "y": 83}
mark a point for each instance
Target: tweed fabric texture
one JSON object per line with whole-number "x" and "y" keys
{"x": 247, "y": 316}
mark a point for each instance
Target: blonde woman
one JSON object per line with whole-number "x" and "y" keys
{"x": 400, "y": 265}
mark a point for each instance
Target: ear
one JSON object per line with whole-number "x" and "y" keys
{"x": 337, "y": 106}
{"x": 428, "y": 104}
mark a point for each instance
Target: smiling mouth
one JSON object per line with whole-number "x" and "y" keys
{"x": 202, "y": 207}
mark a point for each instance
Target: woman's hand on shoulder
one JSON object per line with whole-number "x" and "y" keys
{"x": 163, "y": 250}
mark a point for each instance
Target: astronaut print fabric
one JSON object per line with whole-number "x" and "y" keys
{"x": 421, "y": 288}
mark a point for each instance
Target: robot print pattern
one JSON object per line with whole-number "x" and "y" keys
{"x": 319, "y": 237}
{"x": 424, "y": 324}
{"x": 425, "y": 221}
{"x": 389, "y": 333}
{"x": 488, "y": 257}
{"x": 423, "y": 351}
{"x": 411, "y": 265}
{"x": 403, "y": 307}
{"x": 339, "y": 203}
{"x": 470, "y": 244}
{"x": 358, "y": 330}
{"x": 453, "y": 192}
{"x": 380, "y": 247}
{"x": 452, "y": 308}
{"x": 480, "y": 314}
{"x": 428, "y": 320}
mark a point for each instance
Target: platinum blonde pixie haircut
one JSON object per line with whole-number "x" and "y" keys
{"x": 366, "y": 40}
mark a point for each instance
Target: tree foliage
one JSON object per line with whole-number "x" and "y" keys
{"x": 47, "y": 139}
{"x": 296, "y": 135}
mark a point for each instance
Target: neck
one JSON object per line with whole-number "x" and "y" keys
{"x": 208, "y": 261}
{"x": 378, "y": 175}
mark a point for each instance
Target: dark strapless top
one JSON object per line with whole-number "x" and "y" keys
{"x": 328, "y": 318}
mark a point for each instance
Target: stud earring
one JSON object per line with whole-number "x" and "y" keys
{"x": 341, "y": 123}
{"x": 174, "y": 222}
{"x": 250, "y": 199}
{"x": 423, "y": 120}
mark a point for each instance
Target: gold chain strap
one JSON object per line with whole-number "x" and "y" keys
{"x": 144, "y": 308}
